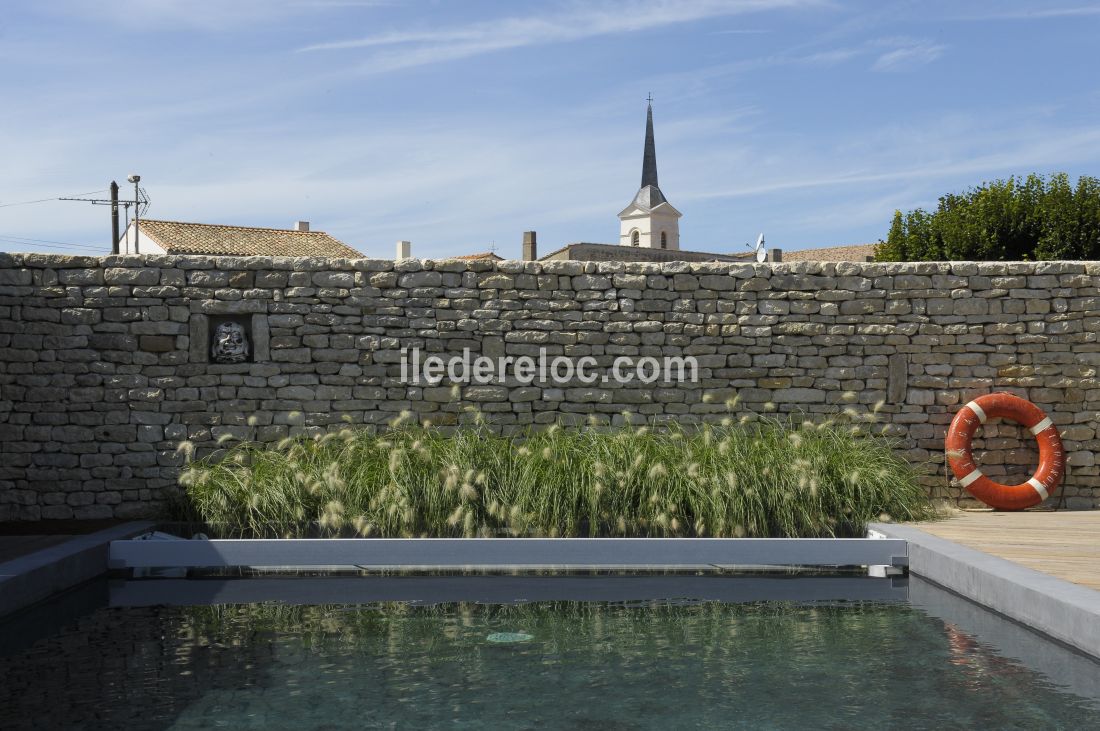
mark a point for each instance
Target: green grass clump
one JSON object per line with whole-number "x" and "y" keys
{"x": 756, "y": 479}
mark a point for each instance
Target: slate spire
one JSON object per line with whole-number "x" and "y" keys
{"x": 649, "y": 157}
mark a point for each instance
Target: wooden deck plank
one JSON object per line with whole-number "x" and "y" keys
{"x": 1065, "y": 544}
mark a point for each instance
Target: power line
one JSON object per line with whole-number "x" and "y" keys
{"x": 46, "y": 243}
{"x": 47, "y": 200}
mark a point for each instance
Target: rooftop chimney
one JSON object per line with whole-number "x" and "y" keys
{"x": 775, "y": 255}
{"x": 301, "y": 226}
{"x": 530, "y": 246}
{"x": 404, "y": 249}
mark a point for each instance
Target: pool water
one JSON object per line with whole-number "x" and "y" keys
{"x": 549, "y": 665}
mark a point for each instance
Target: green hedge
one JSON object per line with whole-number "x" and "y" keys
{"x": 1028, "y": 219}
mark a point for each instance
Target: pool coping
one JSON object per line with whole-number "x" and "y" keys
{"x": 1059, "y": 609}
{"x": 507, "y": 553}
{"x": 30, "y": 578}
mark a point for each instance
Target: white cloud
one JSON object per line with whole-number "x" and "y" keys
{"x": 908, "y": 57}
{"x": 1039, "y": 14}
{"x": 204, "y": 15}
{"x": 1016, "y": 151}
{"x": 421, "y": 47}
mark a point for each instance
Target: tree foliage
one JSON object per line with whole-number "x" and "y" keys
{"x": 1033, "y": 218}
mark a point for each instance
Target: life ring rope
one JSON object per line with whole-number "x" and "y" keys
{"x": 1036, "y": 488}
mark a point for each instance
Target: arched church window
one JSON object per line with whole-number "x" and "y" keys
{"x": 635, "y": 238}
{"x": 664, "y": 240}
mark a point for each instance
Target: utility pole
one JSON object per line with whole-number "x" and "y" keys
{"x": 139, "y": 199}
{"x": 135, "y": 179}
{"x": 114, "y": 217}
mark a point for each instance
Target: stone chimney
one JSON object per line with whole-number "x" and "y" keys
{"x": 301, "y": 226}
{"x": 404, "y": 250}
{"x": 775, "y": 255}
{"x": 530, "y": 246}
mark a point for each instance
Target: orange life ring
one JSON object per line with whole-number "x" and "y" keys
{"x": 1052, "y": 456}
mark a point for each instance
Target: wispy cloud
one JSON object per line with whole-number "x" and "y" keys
{"x": 908, "y": 57}
{"x": 1016, "y": 153}
{"x": 421, "y": 47}
{"x": 211, "y": 16}
{"x": 1040, "y": 14}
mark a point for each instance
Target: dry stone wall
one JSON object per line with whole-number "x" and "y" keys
{"x": 105, "y": 362}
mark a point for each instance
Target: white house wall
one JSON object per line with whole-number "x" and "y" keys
{"x": 145, "y": 245}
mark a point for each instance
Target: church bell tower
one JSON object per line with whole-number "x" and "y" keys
{"x": 650, "y": 221}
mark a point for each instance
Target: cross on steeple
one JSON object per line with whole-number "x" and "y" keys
{"x": 650, "y": 98}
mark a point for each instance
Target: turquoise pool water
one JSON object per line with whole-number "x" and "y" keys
{"x": 550, "y": 665}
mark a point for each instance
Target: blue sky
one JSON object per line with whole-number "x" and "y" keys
{"x": 457, "y": 124}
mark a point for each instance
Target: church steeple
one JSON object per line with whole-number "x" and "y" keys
{"x": 649, "y": 157}
{"x": 650, "y": 221}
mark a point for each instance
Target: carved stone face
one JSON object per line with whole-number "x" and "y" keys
{"x": 230, "y": 344}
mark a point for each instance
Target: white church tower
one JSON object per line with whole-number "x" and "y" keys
{"x": 650, "y": 221}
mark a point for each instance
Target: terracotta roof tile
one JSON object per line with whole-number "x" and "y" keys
{"x": 855, "y": 252}
{"x": 482, "y": 255}
{"x": 627, "y": 255}
{"x": 177, "y": 237}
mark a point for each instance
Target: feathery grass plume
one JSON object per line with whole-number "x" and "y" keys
{"x": 403, "y": 418}
{"x": 187, "y": 449}
{"x": 764, "y": 478}
{"x": 189, "y": 477}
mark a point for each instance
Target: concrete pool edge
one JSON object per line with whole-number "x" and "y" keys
{"x": 35, "y": 576}
{"x": 1059, "y": 609}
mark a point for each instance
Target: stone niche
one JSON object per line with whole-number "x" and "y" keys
{"x": 229, "y": 339}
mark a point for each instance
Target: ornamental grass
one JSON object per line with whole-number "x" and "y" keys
{"x": 750, "y": 478}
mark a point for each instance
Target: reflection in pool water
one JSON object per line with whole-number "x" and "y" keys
{"x": 585, "y": 665}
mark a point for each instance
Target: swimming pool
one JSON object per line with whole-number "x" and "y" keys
{"x": 653, "y": 663}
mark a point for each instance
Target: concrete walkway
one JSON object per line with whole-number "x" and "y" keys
{"x": 16, "y": 546}
{"x": 1065, "y": 544}
{"x": 57, "y": 564}
{"x": 1066, "y": 610}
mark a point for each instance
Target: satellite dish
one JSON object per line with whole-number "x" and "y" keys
{"x": 761, "y": 255}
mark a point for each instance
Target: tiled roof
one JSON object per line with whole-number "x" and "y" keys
{"x": 855, "y": 252}
{"x": 482, "y": 255}
{"x": 626, "y": 252}
{"x": 176, "y": 237}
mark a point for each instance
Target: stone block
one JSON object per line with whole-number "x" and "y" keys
{"x": 80, "y": 277}
{"x": 139, "y": 275}
{"x": 421, "y": 279}
{"x": 157, "y": 343}
{"x": 16, "y": 277}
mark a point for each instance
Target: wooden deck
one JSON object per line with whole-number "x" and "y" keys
{"x": 1065, "y": 544}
